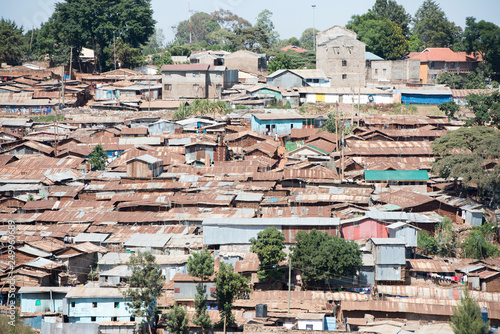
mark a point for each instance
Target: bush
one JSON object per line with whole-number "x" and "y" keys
{"x": 478, "y": 244}
{"x": 427, "y": 244}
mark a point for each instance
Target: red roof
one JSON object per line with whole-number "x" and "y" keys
{"x": 294, "y": 48}
{"x": 186, "y": 67}
{"x": 443, "y": 54}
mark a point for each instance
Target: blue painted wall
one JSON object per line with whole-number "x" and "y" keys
{"x": 281, "y": 127}
{"x": 424, "y": 99}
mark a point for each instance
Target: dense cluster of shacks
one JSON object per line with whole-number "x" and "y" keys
{"x": 175, "y": 187}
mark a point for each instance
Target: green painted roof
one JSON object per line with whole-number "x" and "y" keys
{"x": 396, "y": 175}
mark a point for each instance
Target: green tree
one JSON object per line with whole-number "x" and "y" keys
{"x": 14, "y": 326}
{"x": 180, "y": 50}
{"x": 483, "y": 37}
{"x": 462, "y": 154}
{"x": 320, "y": 256}
{"x": 164, "y": 59}
{"x": 202, "y": 24}
{"x": 177, "y": 320}
{"x": 416, "y": 44}
{"x": 479, "y": 242}
{"x": 446, "y": 238}
{"x": 265, "y": 23}
{"x": 450, "y": 108}
{"x": 426, "y": 243}
{"x": 95, "y": 23}
{"x": 229, "y": 286}
{"x": 201, "y": 265}
{"x": 230, "y": 21}
{"x": 307, "y": 38}
{"x": 381, "y": 36}
{"x": 466, "y": 318}
{"x": 146, "y": 283}
{"x": 252, "y": 39}
{"x": 486, "y": 109}
{"x": 391, "y": 10}
{"x": 12, "y": 45}
{"x": 281, "y": 61}
{"x": 269, "y": 247}
{"x": 155, "y": 43}
{"x": 432, "y": 26}
{"x": 126, "y": 56}
{"x": 98, "y": 158}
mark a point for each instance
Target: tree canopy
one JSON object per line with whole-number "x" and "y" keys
{"x": 466, "y": 318}
{"x": 463, "y": 154}
{"x": 202, "y": 24}
{"x": 432, "y": 26}
{"x": 483, "y": 37}
{"x": 265, "y": 23}
{"x": 146, "y": 283}
{"x": 486, "y": 109}
{"x": 229, "y": 286}
{"x": 12, "y": 45}
{"x": 98, "y": 158}
{"x": 269, "y": 246}
{"x": 320, "y": 256}
{"x": 201, "y": 265}
{"x": 391, "y": 10}
{"x": 95, "y": 23}
{"x": 381, "y": 36}
{"x": 281, "y": 61}
{"x": 177, "y": 320}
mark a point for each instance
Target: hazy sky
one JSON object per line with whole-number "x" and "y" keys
{"x": 290, "y": 17}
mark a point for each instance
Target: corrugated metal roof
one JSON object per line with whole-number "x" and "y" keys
{"x": 396, "y": 175}
{"x": 388, "y": 241}
{"x": 249, "y": 197}
{"x": 90, "y": 237}
{"x": 273, "y": 221}
{"x": 429, "y": 266}
{"x": 118, "y": 271}
{"x": 147, "y": 240}
{"x": 83, "y": 292}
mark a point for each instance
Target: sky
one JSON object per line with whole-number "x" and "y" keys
{"x": 290, "y": 17}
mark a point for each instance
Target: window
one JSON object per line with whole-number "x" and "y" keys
{"x": 177, "y": 290}
{"x": 114, "y": 318}
{"x": 132, "y": 318}
{"x": 168, "y": 87}
{"x": 434, "y": 76}
{"x": 212, "y": 290}
{"x": 72, "y": 304}
{"x": 117, "y": 304}
{"x": 344, "y": 62}
{"x": 384, "y": 71}
{"x": 309, "y": 327}
{"x": 196, "y": 87}
{"x": 196, "y": 74}
{"x": 38, "y": 302}
{"x": 93, "y": 319}
{"x": 431, "y": 64}
{"x": 376, "y": 71}
{"x": 218, "y": 87}
{"x": 344, "y": 76}
{"x": 94, "y": 304}
{"x": 315, "y": 80}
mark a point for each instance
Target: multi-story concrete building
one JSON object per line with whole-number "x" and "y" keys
{"x": 435, "y": 61}
{"x": 195, "y": 81}
{"x": 341, "y": 57}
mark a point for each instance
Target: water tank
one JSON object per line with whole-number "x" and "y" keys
{"x": 261, "y": 310}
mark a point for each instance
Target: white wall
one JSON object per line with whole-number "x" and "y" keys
{"x": 317, "y": 324}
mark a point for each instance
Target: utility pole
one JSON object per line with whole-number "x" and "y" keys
{"x": 70, "y": 62}
{"x": 114, "y": 52}
{"x": 289, "y": 281}
{"x": 314, "y": 30}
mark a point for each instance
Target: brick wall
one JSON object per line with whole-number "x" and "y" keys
{"x": 257, "y": 329}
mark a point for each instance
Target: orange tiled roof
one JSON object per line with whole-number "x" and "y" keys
{"x": 444, "y": 54}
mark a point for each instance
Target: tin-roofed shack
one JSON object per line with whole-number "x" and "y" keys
{"x": 234, "y": 234}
